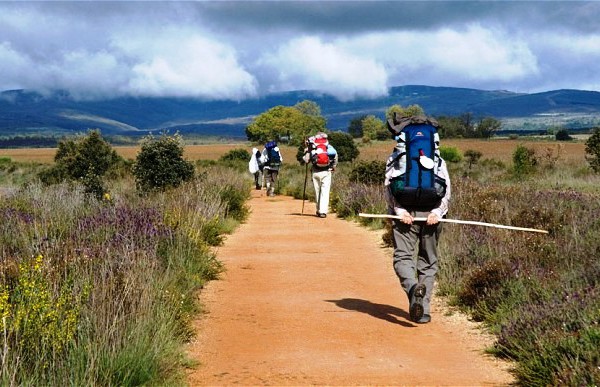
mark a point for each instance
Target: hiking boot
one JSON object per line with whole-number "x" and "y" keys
{"x": 425, "y": 319}
{"x": 415, "y": 296}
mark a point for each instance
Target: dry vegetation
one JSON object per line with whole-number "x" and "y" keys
{"x": 539, "y": 295}
{"x": 501, "y": 149}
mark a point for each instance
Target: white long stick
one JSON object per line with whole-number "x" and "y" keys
{"x": 457, "y": 221}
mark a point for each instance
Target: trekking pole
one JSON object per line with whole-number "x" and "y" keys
{"x": 319, "y": 199}
{"x": 457, "y": 221}
{"x": 304, "y": 191}
{"x": 278, "y": 186}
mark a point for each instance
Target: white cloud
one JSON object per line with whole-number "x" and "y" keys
{"x": 88, "y": 75}
{"x": 475, "y": 54}
{"x": 308, "y": 63}
{"x": 12, "y": 64}
{"x": 185, "y": 63}
{"x": 483, "y": 54}
{"x": 200, "y": 49}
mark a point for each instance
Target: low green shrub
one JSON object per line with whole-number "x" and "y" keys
{"x": 88, "y": 160}
{"x": 160, "y": 164}
{"x": 236, "y": 154}
{"x": 450, "y": 154}
{"x": 368, "y": 172}
{"x": 524, "y": 161}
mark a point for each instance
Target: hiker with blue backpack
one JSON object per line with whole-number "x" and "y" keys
{"x": 324, "y": 158}
{"x": 417, "y": 185}
{"x": 271, "y": 159}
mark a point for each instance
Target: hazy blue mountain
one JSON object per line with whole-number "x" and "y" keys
{"x": 26, "y": 112}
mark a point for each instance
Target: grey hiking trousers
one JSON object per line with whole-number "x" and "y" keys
{"x": 407, "y": 238}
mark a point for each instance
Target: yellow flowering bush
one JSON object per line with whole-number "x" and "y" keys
{"x": 35, "y": 315}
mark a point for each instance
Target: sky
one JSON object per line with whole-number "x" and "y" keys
{"x": 235, "y": 50}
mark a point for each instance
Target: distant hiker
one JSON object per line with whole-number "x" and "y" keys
{"x": 255, "y": 165}
{"x": 272, "y": 162}
{"x": 323, "y": 158}
{"x": 417, "y": 185}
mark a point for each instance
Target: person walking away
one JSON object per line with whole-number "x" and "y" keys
{"x": 272, "y": 159}
{"x": 324, "y": 158}
{"x": 417, "y": 184}
{"x": 255, "y": 166}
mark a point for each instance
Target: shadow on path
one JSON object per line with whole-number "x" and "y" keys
{"x": 381, "y": 311}
{"x": 311, "y": 214}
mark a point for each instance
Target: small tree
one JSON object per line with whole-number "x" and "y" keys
{"x": 451, "y": 127}
{"x": 371, "y": 127}
{"x": 344, "y": 145}
{"x": 160, "y": 164}
{"x": 410, "y": 111}
{"x": 563, "y": 135}
{"x": 308, "y": 107}
{"x": 86, "y": 159}
{"x": 283, "y": 120}
{"x": 487, "y": 127}
{"x": 524, "y": 161}
{"x": 355, "y": 128}
{"x": 473, "y": 156}
{"x": 592, "y": 150}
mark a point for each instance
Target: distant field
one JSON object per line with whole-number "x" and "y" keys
{"x": 192, "y": 152}
{"x": 572, "y": 152}
{"x": 502, "y": 149}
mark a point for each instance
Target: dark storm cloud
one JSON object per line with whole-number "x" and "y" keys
{"x": 351, "y": 17}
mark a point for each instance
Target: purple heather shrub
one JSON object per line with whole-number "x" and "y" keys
{"x": 137, "y": 228}
{"x": 354, "y": 198}
{"x": 550, "y": 317}
{"x": 10, "y": 215}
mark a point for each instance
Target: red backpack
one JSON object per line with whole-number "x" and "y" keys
{"x": 318, "y": 151}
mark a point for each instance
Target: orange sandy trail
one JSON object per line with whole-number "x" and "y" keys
{"x": 310, "y": 301}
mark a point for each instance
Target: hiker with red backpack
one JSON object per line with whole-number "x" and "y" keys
{"x": 417, "y": 185}
{"x": 271, "y": 159}
{"x": 323, "y": 158}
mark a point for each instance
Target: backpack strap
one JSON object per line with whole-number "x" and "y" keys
{"x": 395, "y": 159}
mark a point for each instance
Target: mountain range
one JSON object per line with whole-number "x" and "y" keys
{"x": 25, "y": 112}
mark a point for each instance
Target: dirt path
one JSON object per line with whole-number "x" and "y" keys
{"x": 310, "y": 301}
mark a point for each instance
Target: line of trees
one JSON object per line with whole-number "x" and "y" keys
{"x": 295, "y": 123}
{"x": 466, "y": 125}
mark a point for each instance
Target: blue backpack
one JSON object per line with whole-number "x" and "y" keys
{"x": 273, "y": 156}
{"x": 412, "y": 168}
